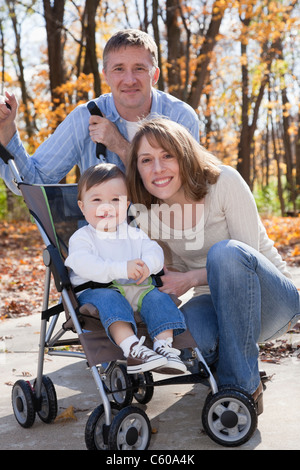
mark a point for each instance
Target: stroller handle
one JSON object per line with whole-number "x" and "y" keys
{"x": 8, "y": 158}
{"x": 95, "y": 111}
{"x": 5, "y": 154}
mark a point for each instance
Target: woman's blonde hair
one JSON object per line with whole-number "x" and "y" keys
{"x": 198, "y": 168}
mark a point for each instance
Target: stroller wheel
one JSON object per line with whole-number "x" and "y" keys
{"x": 48, "y": 410}
{"x": 130, "y": 430}
{"x": 229, "y": 417}
{"x": 23, "y": 403}
{"x": 121, "y": 385}
{"x": 94, "y": 429}
{"x": 143, "y": 391}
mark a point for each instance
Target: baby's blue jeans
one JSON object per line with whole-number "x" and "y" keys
{"x": 158, "y": 311}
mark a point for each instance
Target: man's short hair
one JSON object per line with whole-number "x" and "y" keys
{"x": 131, "y": 38}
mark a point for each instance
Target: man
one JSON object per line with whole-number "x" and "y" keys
{"x": 131, "y": 70}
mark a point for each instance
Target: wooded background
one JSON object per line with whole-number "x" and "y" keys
{"x": 235, "y": 62}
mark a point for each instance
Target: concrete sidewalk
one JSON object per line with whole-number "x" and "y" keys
{"x": 174, "y": 411}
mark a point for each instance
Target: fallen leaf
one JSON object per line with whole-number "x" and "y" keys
{"x": 66, "y": 415}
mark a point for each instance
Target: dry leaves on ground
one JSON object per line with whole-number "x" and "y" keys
{"x": 21, "y": 270}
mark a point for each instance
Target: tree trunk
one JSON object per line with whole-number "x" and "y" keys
{"x": 160, "y": 83}
{"x": 2, "y": 48}
{"x": 279, "y": 185}
{"x": 204, "y": 57}
{"x": 243, "y": 164}
{"x": 20, "y": 73}
{"x": 174, "y": 48}
{"x": 248, "y": 128}
{"x": 91, "y": 61}
{"x": 54, "y": 15}
{"x": 288, "y": 150}
{"x": 298, "y": 158}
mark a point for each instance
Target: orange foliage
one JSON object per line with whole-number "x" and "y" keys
{"x": 285, "y": 232}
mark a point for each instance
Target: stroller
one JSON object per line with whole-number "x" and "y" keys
{"x": 229, "y": 415}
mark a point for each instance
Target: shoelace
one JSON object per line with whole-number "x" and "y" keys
{"x": 139, "y": 349}
{"x": 166, "y": 348}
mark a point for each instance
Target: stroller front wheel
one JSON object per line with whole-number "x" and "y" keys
{"x": 229, "y": 417}
{"x": 95, "y": 438}
{"x": 48, "y": 409}
{"x": 23, "y": 403}
{"x": 130, "y": 430}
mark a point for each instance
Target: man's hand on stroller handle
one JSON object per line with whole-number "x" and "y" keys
{"x": 105, "y": 134}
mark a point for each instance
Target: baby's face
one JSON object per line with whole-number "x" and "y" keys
{"x": 105, "y": 205}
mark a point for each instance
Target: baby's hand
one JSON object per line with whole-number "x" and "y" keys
{"x": 137, "y": 270}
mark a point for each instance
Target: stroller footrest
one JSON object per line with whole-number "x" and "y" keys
{"x": 182, "y": 380}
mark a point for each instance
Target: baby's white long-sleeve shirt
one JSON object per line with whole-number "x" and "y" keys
{"x": 102, "y": 256}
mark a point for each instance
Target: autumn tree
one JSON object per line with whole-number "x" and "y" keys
{"x": 227, "y": 59}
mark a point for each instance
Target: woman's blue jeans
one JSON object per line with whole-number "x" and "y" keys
{"x": 158, "y": 311}
{"x": 250, "y": 302}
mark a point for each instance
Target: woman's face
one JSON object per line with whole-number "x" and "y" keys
{"x": 159, "y": 171}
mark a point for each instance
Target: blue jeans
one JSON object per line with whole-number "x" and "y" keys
{"x": 158, "y": 311}
{"x": 250, "y": 301}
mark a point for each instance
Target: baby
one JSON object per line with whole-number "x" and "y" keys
{"x": 108, "y": 250}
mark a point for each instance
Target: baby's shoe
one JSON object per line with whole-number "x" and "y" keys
{"x": 142, "y": 359}
{"x": 174, "y": 363}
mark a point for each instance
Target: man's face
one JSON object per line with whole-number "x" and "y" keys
{"x": 130, "y": 74}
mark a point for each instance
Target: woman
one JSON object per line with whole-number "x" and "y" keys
{"x": 214, "y": 241}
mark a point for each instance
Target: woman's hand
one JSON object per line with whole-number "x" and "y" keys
{"x": 175, "y": 282}
{"x": 179, "y": 283}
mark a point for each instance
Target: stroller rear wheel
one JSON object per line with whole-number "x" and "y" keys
{"x": 143, "y": 391}
{"x": 23, "y": 403}
{"x": 121, "y": 385}
{"x": 229, "y": 417}
{"x": 130, "y": 430}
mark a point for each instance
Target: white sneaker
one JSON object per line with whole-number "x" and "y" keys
{"x": 174, "y": 364}
{"x": 142, "y": 359}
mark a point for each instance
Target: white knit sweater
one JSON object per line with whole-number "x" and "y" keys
{"x": 230, "y": 212}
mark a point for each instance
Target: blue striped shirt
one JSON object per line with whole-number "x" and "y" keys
{"x": 71, "y": 144}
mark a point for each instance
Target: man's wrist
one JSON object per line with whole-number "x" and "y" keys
{"x": 6, "y": 136}
{"x": 124, "y": 150}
